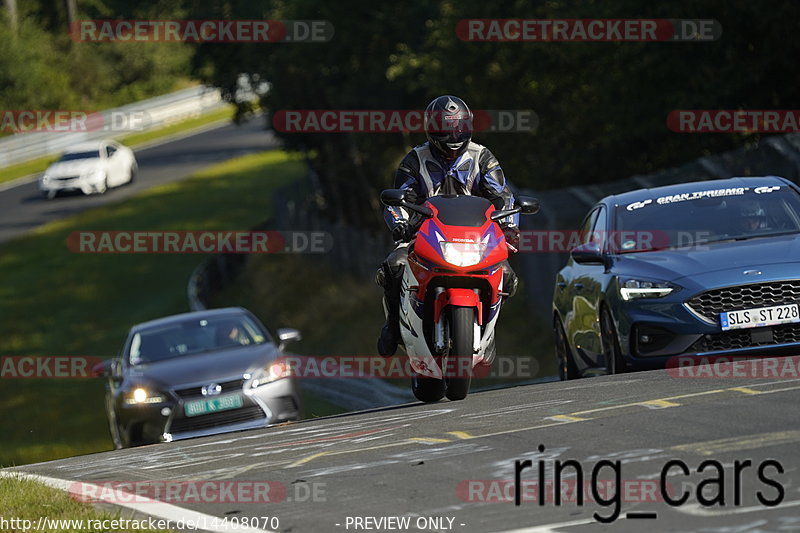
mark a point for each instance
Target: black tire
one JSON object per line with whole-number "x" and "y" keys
{"x": 427, "y": 389}
{"x": 113, "y": 426}
{"x": 612, "y": 354}
{"x": 567, "y": 369}
{"x": 458, "y": 372}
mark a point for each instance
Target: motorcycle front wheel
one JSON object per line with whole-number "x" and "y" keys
{"x": 427, "y": 389}
{"x": 459, "y": 362}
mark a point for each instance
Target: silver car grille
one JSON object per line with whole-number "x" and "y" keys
{"x": 188, "y": 393}
{"x": 215, "y": 420}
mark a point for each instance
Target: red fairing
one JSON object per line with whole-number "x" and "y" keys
{"x": 427, "y": 261}
{"x": 460, "y": 298}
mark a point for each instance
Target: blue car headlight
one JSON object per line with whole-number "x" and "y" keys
{"x": 633, "y": 288}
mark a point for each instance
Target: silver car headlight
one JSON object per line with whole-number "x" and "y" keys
{"x": 274, "y": 371}
{"x": 141, "y": 396}
{"x": 462, "y": 254}
{"x": 633, "y": 288}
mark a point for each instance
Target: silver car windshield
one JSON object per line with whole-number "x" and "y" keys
{"x": 193, "y": 337}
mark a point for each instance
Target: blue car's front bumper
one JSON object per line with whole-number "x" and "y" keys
{"x": 651, "y": 331}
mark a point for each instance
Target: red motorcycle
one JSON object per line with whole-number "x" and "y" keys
{"x": 452, "y": 289}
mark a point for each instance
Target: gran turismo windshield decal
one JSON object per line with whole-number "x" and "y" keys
{"x": 698, "y": 195}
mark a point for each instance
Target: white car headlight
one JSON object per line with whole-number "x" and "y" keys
{"x": 631, "y": 289}
{"x": 141, "y": 395}
{"x": 462, "y": 254}
{"x": 94, "y": 173}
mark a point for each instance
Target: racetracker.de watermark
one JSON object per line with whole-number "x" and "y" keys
{"x": 722, "y": 366}
{"x": 202, "y": 31}
{"x": 401, "y": 121}
{"x": 399, "y": 367}
{"x": 734, "y": 121}
{"x": 48, "y": 367}
{"x": 72, "y": 120}
{"x": 196, "y": 491}
{"x": 568, "y": 491}
{"x": 199, "y": 242}
{"x": 588, "y": 30}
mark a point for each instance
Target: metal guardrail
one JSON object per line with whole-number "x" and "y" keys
{"x": 155, "y": 112}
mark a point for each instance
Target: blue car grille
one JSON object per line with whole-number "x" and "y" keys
{"x": 743, "y": 338}
{"x": 711, "y": 303}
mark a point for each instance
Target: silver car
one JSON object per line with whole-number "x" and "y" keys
{"x": 199, "y": 374}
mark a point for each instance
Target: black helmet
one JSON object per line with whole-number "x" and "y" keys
{"x": 448, "y": 126}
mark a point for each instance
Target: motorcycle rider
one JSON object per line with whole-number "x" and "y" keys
{"x": 448, "y": 163}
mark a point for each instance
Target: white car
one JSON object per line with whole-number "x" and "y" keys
{"x": 90, "y": 168}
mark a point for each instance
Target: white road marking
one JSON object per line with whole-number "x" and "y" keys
{"x": 695, "y": 509}
{"x": 144, "y": 505}
{"x": 551, "y": 528}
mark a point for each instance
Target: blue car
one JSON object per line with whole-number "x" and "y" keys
{"x": 698, "y": 269}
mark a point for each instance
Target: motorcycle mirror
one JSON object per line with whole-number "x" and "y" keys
{"x": 528, "y": 205}
{"x": 503, "y": 213}
{"x": 393, "y": 197}
{"x": 397, "y": 198}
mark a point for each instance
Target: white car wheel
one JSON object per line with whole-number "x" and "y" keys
{"x": 132, "y": 172}
{"x": 103, "y": 186}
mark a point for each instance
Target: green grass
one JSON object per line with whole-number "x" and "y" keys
{"x": 23, "y": 499}
{"x": 35, "y": 166}
{"x": 55, "y": 302}
{"x": 135, "y": 139}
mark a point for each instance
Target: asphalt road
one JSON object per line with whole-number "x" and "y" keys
{"x": 22, "y": 208}
{"x": 449, "y": 460}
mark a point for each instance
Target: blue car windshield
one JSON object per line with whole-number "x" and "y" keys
{"x": 705, "y": 216}
{"x": 192, "y": 337}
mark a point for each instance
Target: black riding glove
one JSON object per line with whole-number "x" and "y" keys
{"x": 411, "y": 196}
{"x": 402, "y": 232}
{"x": 511, "y": 233}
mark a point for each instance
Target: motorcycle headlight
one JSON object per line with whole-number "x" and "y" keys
{"x": 273, "y": 372}
{"x": 462, "y": 254}
{"x": 631, "y": 289}
{"x": 142, "y": 395}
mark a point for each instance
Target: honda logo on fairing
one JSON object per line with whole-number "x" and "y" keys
{"x": 213, "y": 389}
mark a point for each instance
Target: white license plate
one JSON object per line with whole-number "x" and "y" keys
{"x": 757, "y": 318}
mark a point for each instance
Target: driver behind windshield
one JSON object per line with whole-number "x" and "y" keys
{"x": 751, "y": 217}
{"x": 231, "y": 333}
